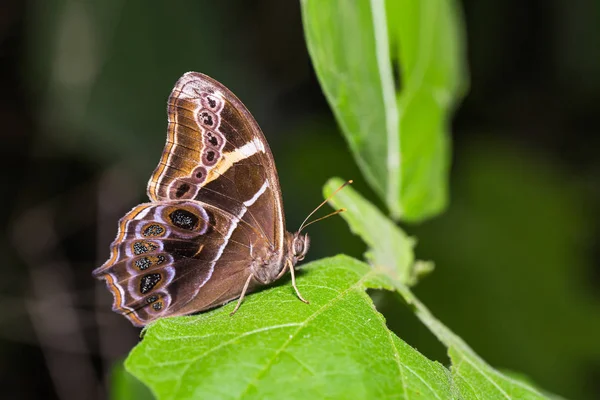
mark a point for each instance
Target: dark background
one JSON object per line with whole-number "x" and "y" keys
{"x": 83, "y": 88}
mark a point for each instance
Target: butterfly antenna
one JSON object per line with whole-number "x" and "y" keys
{"x": 304, "y": 224}
{"x": 341, "y": 210}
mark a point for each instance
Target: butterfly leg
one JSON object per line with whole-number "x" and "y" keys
{"x": 242, "y": 295}
{"x": 291, "y": 267}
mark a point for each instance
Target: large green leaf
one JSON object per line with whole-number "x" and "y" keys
{"x": 337, "y": 347}
{"x": 472, "y": 376}
{"x": 399, "y": 136}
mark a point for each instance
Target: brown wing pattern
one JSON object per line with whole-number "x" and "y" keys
{"x": 165, "y": 253}
{"x": 216, "y": 153}
{"x": 211, "y": 135}
{"x": 216, "y": 204}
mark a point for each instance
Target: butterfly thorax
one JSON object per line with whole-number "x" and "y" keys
{"x": 271, "y": 265}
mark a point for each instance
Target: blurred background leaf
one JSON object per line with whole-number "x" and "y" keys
{"x": 513, "y": 246}
{"x": 396, "y": 126}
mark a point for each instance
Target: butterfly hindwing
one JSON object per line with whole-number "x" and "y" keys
{"x": 165, "y": 253}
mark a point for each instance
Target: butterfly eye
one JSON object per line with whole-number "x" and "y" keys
{"x": 301, "y": 244}
{"x": 298, "y": 246}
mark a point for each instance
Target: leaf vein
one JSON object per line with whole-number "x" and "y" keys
{"x": 302, "y": 325}
{"x": 200, "y": 356}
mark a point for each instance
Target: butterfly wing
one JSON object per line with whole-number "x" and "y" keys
{"x": 217, "y": 154}
{"x": 166, "y": 253}
{"x": 216, "y": 203}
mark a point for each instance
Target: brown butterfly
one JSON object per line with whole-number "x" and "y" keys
{"x": 214, "y": 228}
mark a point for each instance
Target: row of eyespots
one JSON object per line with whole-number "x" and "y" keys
{"x": 184, "y": 221}
{"x": 213, "y": 141}
{"x": 209, "y": 118}
{"x": 160, "y": 219}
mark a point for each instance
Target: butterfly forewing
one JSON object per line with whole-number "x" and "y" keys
{"x": 216, "y": 205}
{"x": 215, "y": 150}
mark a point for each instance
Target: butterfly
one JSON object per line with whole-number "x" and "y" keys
{"x": 214, "y": 228}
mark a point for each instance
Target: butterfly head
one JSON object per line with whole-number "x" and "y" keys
{"x": 300, "y": 245}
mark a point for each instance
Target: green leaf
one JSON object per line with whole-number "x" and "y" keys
{"x": 399, "y": 136}
{"x": 389, "y": 247}
{"x": 472, "y": 377}
{"x": 337, "y": 347}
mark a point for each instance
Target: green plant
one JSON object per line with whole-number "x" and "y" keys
{"x": 339, "y": 346}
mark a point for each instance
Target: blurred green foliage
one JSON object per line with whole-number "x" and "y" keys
{"x": 106, "y": 72}
{"x": 511, "y": 256}
{"x": 397, "y": 131}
